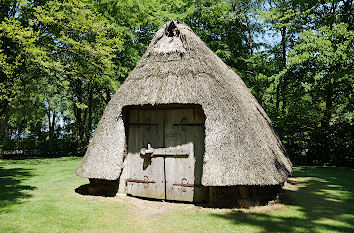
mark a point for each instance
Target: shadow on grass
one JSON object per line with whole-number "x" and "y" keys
{"x": 323, "y": 201}
{"x": 12, "y": 189}
{"x": 84, "y": 190}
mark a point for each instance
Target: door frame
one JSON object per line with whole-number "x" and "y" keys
{"x": 125, "y": 115}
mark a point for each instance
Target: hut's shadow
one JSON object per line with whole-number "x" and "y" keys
{"x": 12, "y": 189}
{"x": 316, "y": 200}
{"x": 84, "y": 190}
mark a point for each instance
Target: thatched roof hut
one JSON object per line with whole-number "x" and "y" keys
{"x": 241, "y": 147}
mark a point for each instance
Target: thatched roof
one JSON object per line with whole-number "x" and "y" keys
{"x": 241, "y": 147}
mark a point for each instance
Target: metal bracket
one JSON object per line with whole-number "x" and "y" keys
{"x": 184, "y": 184}
{"x": 164, "y": 152}
{"x": 146, "y": 181}
{"x": 140, "y": 181}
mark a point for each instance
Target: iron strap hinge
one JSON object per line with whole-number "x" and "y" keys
{"x": 140, "y": 181}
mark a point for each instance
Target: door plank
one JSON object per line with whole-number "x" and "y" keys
{"x": 179, "y": 170}
{"x": 146, "y": 127}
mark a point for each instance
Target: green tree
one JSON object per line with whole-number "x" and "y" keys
{"x": 313, "y": 85}
{"x": 66, "y": 48}
{"x": 84, "y": 43}
{"x": 22, "y": 59}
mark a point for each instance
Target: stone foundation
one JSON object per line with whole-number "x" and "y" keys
{"x": 243, "y": 196}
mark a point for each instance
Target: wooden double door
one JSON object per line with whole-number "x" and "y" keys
{"x": 165, "y": 153}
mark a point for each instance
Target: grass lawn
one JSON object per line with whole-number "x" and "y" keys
{"x": 38, "y": 195}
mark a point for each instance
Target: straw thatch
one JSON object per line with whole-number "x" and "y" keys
{"x": 241, "y": 147}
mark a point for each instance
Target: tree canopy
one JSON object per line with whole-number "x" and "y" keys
{"x": 61, "y": 61}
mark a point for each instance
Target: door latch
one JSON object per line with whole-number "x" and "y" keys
{"x": 165, "y": 152}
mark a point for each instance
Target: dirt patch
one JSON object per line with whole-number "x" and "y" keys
{"x": 155, "y": 209}
{"x": 143, "y": 208}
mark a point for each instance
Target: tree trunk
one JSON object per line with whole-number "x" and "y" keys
{"x": 347, "y": 9}
{"x": 250, "y": 45}
{"x": 277, "y": 97}
{"x": 52, "y": 126}
{"x": 89, "y": 121}
{"x": 78, "y": 111}
{"x": 254, "y": 71}
{"x": 108, "y": 95}
{"x": 7, "y": 113}
{"x": 284, "y": 80}
{"x": 328, "y": 110}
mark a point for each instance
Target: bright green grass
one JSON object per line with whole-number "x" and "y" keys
{"x": 37, "y": 195}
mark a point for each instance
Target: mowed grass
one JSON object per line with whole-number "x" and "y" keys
{"x": 37, "y": 195}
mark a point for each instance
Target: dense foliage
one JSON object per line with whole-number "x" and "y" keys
{"x": 61, "y": 61}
